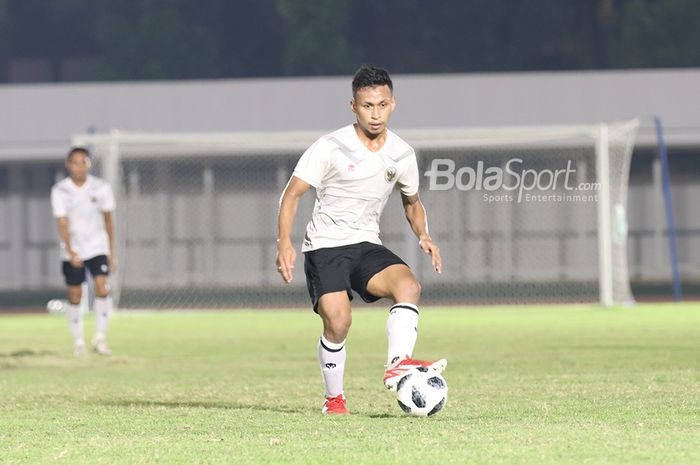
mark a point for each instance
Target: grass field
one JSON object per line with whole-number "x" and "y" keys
{"x": 535, "y": 385}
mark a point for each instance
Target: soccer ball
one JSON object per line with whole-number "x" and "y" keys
{"x": 56, "y": 306}
{"x": 421, "y": 392}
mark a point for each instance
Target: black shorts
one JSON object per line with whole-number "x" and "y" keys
{"x": 346, "y": 268}
{"x": 98, "y": 265}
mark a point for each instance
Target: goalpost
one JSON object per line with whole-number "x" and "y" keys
{"x": 522, "y": 215}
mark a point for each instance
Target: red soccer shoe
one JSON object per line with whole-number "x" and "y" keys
{"x": 334, "y": 405}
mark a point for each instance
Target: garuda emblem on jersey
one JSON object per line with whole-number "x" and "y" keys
{"x": 390, "y": 174}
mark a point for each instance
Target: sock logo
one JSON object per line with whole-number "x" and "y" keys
{"x": 330, "y": 366}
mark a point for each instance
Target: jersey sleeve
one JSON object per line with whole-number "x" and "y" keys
{"x": 313, "y": 164}
{"x": 58, "y": 204}
{"x": 408, "y": 181}
{"x": 107, "y": 203}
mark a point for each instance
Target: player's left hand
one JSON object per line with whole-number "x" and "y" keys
{"x": 433, "y": 250}
{"x": 286, "y": 255}
{"x": 112, "y": 263}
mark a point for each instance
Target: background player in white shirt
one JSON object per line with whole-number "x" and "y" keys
{"x": 354, "y": 170}
{"x": 83, "y": 205}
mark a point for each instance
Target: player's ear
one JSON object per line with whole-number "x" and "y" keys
{"x": 353, "y": 105}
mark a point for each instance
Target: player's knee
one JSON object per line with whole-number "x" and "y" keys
{"x": 339, "y": 326}
{"x": 101, "y": 288}
{"x": 418, "y": 288}
{"x": 343, "y": 323}
{"x": 409, "y": 289}
{"x": 74, "y": 295}
{"x": 101, "y": 292}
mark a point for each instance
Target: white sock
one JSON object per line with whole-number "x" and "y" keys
{"x": 402, "y": 331}
{"x": 331, "y": 358}
{"x": 75, "y": 321}
{"x": 103, "y": 310}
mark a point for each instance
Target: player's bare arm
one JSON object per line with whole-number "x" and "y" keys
{"x": 286, "y": 255}
{"x": 109, "y": 227}
{"x": 417, "y": 218}
{"x": 65, "y": 236}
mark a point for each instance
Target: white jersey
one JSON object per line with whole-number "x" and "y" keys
{"x": 353, "y": 185}
{"x": 84, "y": 207}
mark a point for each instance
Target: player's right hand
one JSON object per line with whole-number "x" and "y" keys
{"x": 286, "y": 255}
{"x": 75, "y": 260}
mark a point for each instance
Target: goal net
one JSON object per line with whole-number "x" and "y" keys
{"x": 522, "y": 215}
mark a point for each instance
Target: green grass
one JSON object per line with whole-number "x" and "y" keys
{"x": 535, "y": 385}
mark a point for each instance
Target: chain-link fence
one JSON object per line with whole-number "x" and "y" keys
{"x": 518, "y": 214}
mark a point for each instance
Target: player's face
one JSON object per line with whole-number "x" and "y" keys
{"x": 372, "y": 107}
{"x": 78, "y": 166}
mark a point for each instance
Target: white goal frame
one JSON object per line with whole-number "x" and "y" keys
{"x": 117, "y": 144}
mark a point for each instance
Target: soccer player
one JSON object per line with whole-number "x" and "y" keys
{"x": 83, "y": 205}
{"x": 354, "y": 170}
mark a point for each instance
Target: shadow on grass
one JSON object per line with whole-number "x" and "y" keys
{"x": 231, "y": 406}
{"x": 199, "y": 404}
{"x": 28, "y": 359}
{"x": 28, "y": 353}
{"x": 383, "y": 415}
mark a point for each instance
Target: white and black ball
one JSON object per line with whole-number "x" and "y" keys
{"x": 56, "y": 306}
{"x": 421, "y": 392}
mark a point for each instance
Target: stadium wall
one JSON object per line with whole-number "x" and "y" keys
{"x": 38, "y": 121}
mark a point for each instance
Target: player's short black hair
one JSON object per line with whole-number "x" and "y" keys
{"x": 370, "y": 76}
{"x": 76, "y": 149}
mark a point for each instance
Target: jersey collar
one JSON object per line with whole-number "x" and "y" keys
{"x": 348, "y": 140}
{"x": 88, "y": 181}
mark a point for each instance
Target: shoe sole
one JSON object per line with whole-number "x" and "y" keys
{"x": 102, "y": 352}
{"x": 96, "y": 349}
{"x": 438, "y": 365}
